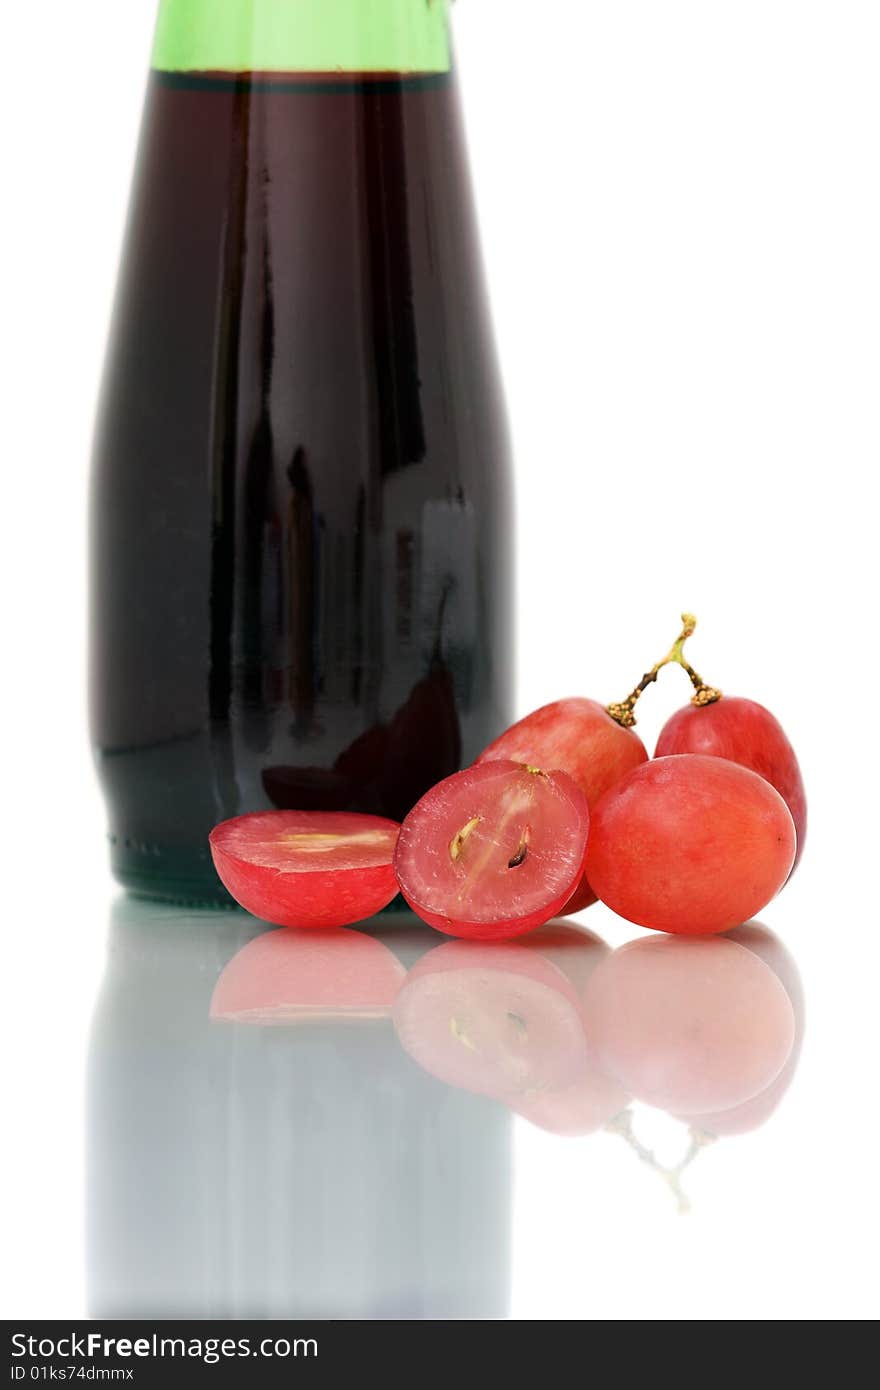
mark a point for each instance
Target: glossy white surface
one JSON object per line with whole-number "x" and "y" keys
{"x": 290, "y": 1163}
{"x": 681, "y": 223}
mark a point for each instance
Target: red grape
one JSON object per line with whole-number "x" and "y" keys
{"x": 576, "y": 735}
{"x": 493, "y": 851}
{"x": 579, "y": 736}
{"x": 307, "y": 869}
{"x": 748, "y": 734}
{"x": 285, "y": 976}
{"x": 689, "y": 1026}
{"x": 582, "y": 898}
{"x": 690, "y": 845}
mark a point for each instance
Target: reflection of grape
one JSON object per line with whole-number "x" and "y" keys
{"x": 575, "y": 950}
{"x": 499, "y": 1020}
{"x": 593, "y": 1098}
{"x": 582, "y": 1108}
{"x": 285, "y": 976}
{"x": 689, "y": 1026}
{"x": 506, "y": 1021}
{"x": 753, "y": 1113}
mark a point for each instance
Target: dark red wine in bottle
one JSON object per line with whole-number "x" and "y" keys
{"x": 301, "y": 503}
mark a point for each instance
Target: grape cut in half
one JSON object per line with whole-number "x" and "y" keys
{"x": 493, "y": 851}
{"x": 579, "y": 736}
{"x": 307, "y": 868}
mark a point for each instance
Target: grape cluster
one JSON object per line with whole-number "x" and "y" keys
{"x": 563, "y": 808}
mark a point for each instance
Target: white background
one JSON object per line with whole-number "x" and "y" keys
{"x": 681, "y": 217}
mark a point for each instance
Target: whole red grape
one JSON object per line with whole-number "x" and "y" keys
{"x": 745, "y": 733}
{"x": 690, "y": 845}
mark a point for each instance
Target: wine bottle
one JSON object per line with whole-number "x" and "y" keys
{"x": 301, "y": 497}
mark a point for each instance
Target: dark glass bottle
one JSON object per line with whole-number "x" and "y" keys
{"x": 301, "y": 490}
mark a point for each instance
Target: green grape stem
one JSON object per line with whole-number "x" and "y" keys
{"x": 623, "y": 712}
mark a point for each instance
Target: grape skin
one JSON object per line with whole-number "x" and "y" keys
{"x": 307, "y": 868}
{"x": 579, "y": 736}
{"x": 748, "y": 734}
{"x": 690, "y": 845}
{"x": 493, "y": 851}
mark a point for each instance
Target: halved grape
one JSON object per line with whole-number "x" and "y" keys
{"x": 580, "y": 737}
{"x": 493, "y": 851}
{"x": 307, "y": 869}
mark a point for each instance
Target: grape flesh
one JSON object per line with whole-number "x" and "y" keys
{"x": 493, "y": 851}
{"x": 307, "y": 868}
{"x": 579, "y": 736}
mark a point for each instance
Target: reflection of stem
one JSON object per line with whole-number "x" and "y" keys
{"x": 622, "y": 1124}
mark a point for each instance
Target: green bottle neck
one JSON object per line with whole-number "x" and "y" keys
{"x": 302, "y": 36}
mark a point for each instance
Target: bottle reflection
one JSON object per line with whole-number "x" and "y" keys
{"x": 260, "y": 1146}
